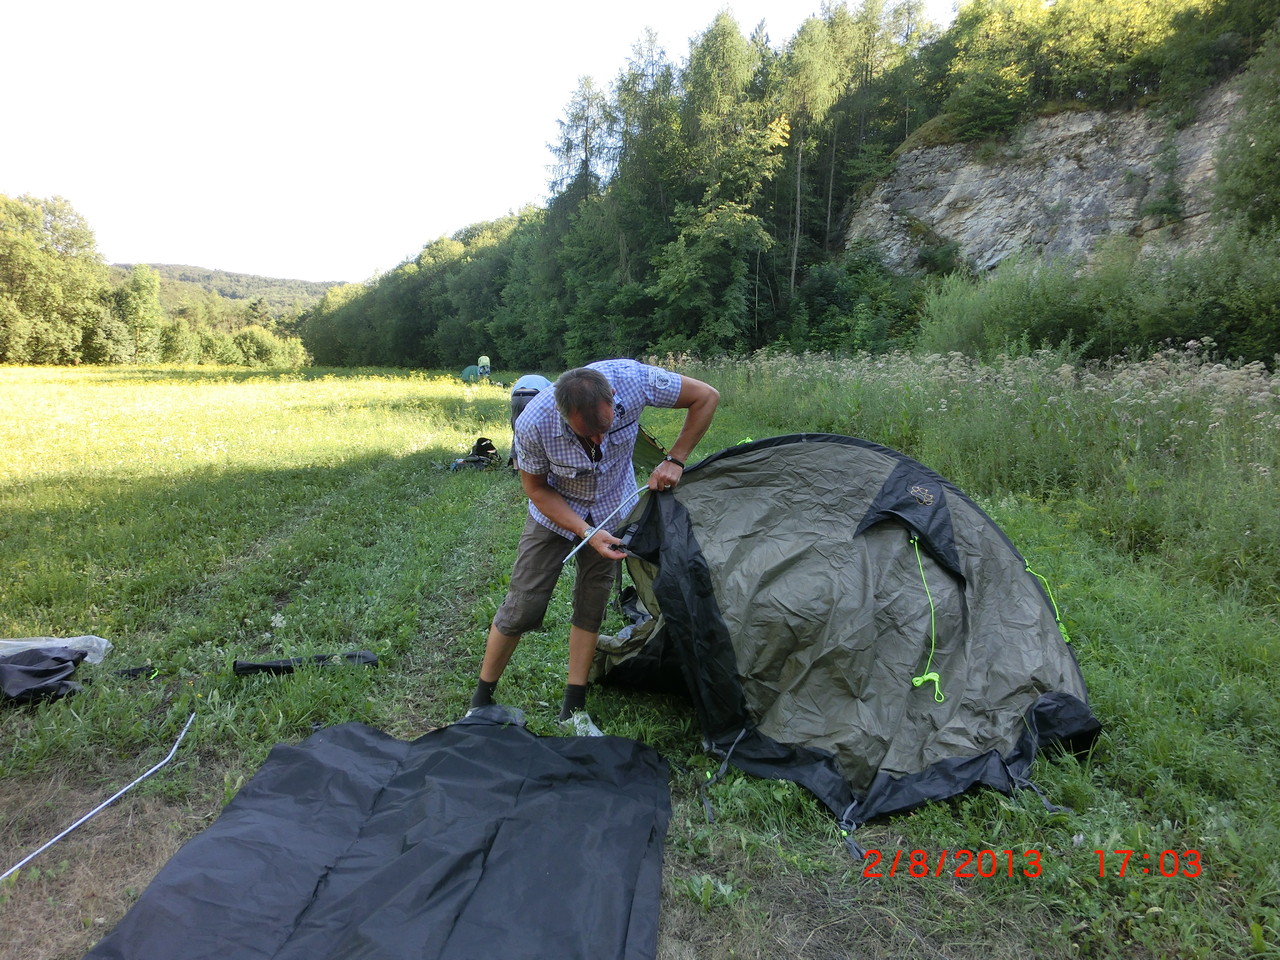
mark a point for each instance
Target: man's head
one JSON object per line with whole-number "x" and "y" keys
{"x": 585, "y": 400}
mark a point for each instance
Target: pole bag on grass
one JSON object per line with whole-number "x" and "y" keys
{"x": 39, "y": 673}
{"x": 483, "y": 456}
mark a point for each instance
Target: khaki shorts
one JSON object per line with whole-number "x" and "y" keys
{"x": 539, "y": 560}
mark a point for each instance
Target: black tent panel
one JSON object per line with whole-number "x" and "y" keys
{"x": 476, "y": 840}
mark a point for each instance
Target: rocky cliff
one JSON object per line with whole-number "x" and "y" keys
{"x": 1056, "y": 187}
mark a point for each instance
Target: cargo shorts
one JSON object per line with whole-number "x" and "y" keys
{"x": 539, "y": 560}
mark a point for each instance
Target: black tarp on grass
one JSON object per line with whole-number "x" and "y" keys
{"x": 478, "y": 840}
{"x": 38, "y": 674}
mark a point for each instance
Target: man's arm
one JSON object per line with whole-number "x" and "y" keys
{"x": 556, "y": 509}
{"x": 699, "y": 400}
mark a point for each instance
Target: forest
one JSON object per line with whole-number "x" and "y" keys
{"x": 696, "y": 207}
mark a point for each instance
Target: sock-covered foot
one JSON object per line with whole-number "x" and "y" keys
{"x": 580, "y": 724}
{"x": 575, "y": 699}
{"x": 573, "y": 712}
{"x": 484, "y": 693}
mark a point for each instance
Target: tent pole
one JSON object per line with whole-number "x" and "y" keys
{"x": 100, "y": 807}
{"x": 599, "y": 526}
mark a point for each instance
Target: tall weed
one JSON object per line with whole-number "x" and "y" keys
{"x": 1175, "y": 456}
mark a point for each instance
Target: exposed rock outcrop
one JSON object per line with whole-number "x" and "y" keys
{"x": 1056, "y": 187}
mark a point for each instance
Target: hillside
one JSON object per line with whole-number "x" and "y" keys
{"x": 279, "y": 295}
{"x": 1057, "y": 185}
{"x": 712, "y": 206}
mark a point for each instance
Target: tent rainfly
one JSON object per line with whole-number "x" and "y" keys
{"x": 845, "y": 618}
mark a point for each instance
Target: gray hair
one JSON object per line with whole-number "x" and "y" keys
{"x": 581, "y": 391}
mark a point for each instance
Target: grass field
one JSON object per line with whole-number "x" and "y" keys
{"x": 196, "y": 516}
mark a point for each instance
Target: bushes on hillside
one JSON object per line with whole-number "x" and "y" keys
{"x": 1122, "y": 301}
{"x": 1249, "y": 176}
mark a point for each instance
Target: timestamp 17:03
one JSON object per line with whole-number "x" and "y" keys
{"x": 1166, "y": 863}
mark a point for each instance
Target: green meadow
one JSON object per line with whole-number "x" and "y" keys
{"x": 194, "y": 516}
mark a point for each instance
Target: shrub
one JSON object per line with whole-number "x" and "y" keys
{"x": 1125, "y": 302}
{"x": 219, "y": 348}
{"x": 260, "y": 347}
{"x": 179, "y": 343}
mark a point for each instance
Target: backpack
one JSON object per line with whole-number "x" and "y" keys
{"x": 483, "y": 456}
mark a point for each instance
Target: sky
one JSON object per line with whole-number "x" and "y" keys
{"x": 313, "y": 140}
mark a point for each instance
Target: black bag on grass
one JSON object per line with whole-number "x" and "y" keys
{"x": 483, "y": 456}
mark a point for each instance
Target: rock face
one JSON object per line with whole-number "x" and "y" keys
{"x": 1056, "y": 187}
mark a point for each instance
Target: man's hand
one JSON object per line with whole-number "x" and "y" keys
{"x": 665, "y": 475}
{"x": 607, "y": 545}
{"x": 699, "y": 401}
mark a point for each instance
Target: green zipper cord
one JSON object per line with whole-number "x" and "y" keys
{"x": 1057, "y": 616}
{"x": 927, "y": 676}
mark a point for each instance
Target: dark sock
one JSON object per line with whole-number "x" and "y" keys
{"x": 575, "y": 698}
{"x": 484, "y": 693}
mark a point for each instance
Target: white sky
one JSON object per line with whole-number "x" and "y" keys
{"x": 314, "y": 140}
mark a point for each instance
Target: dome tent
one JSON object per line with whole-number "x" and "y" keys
{"x": 845, "y": 618}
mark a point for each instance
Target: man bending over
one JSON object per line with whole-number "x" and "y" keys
{"x": 573, "y": 448}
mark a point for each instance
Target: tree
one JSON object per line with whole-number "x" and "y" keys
{"x": 991, "y": 74}
{"x": 219, "y": 348}
{"x": 605, "y": 317}
{"x": 863, "y": 48}
{"x": 583, "y": 153}
{"x": 259, "y": 347}
{"x": 325, "y": 331}
{"x": 51, "y": 281}
{"x": 259, "y": 314}
{"x": 1249, "y": 167}
{"x": 474, "y": 292}
{"x": 137, "y": 307}
{"x": 701, "y": 286}
{"x": 718, "y": 108}
{"x": 852, "y": 303}
{"x": 650, "y": 170}
{"x": 179, "y": 343}
{"x": 527, "y": 328}
{"x": 812, "y": 82}
{"x": 701, "y": 279}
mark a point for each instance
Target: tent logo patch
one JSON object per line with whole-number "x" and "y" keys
{"x": 923, "y": 495}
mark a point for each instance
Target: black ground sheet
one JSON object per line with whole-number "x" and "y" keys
{"x": 478, "y": 840}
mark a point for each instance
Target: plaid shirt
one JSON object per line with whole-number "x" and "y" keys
{"x": 546, "y": 445}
